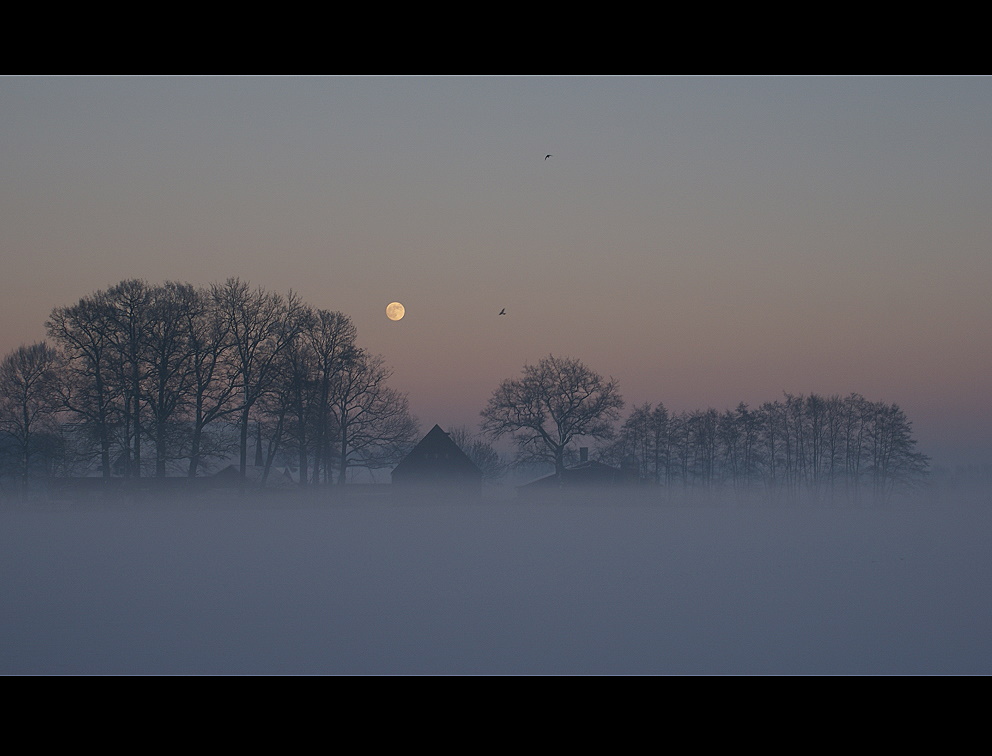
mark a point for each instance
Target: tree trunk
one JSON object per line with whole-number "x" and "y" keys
{"x": 194, "y": 452}
{"x": 244, "y": 444}
{"x": 343, "y": 469}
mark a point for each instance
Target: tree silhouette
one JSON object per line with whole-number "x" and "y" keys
{"x": 331, "y": 340}
{"x": 168, "y": 356}
{"x": 83, "y": 331}
{"x": 261, "y": 325}
{"x": 482, "y": 453}
{"x": 644, "y": 439}
{"x": 553, "y": 403}
{"x": 211, "y": 378}
{"x": 372, "y": 424}
{"x": 803, "y": 446}
{"x": 140, "y": 363}
{"x": 29, "y": 399}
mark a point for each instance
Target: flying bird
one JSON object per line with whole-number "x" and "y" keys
{"x": 547, "y": 156}
{"x": 503, "y": 311}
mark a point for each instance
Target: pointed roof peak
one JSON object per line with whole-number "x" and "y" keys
{"x": 436, "y": 458}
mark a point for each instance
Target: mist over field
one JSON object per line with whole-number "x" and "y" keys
{"x": 609, "y": 585}
{"x": 323, "y": 290}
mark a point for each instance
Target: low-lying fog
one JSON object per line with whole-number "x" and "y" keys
{"x": 278, "y": 586}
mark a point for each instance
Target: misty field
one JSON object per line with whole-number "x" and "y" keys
{"x": 496, "y": 587}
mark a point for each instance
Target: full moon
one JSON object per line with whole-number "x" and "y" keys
{"x": 395, "y": 311}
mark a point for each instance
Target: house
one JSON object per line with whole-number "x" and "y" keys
{"x": 587, "y": 475}
{"x": 230, "y": 477}
{"x": 437, "y": 462}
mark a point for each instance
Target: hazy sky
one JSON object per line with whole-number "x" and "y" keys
{"x": 704, "y": 240}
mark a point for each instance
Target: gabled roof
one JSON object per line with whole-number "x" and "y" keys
{"x": 436, "y": 459}
{"x": 231, "y": 475}
{"x": 582, "y": 474}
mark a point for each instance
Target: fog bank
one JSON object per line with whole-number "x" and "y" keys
{"x": 271, "y": 587}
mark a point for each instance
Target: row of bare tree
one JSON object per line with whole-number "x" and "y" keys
{"x": 814, "y": 444}
{"x": 147, "y": 379}
{"x": 150, "y": 377}
{"x": 803, "y": 444}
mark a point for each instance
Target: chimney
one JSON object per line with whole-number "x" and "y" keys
{"x": 583, "y": 454}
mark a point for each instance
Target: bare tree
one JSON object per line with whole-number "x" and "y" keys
{"x": 643, "y": 438}
{"x": 273, "y": 413}
{"x": 702, "y": 426}
{"x": 331, "y": 340}
{"x": 480, "y": 451}
{"x": 895, "y": 463}
{"x": 290, "y": 399}
{"x": 297, "y": 406}
{"x": 728, "y": 433}
{"x": 212, "y": 378}
{"x": 128, "y": 313}
{"x": 372, "y": 422}
{"x": 309, "y": 371}
{"x": 553, "y": 403}
{"x": 260, "y": 325}
{"x": 858, "y": 417}
{"x": 167, "y": 355}
{"x": 811, "y": 444}
{"x": 681, "y": 448}
{"x": 29, "y": 399}
{"x": 83, "y": 331}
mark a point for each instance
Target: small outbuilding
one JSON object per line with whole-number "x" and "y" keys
{"x": 438, "y": 462}
{"x": 230, "y": 477}
{"x": 586, "y": 476}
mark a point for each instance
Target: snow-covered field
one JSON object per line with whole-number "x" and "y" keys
{"x": 497, "y": 588}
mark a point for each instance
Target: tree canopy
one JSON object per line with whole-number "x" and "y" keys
{"x": 149, "y": 379}
{"x": 165, "y": 364}
{"x": 553, "y": 403}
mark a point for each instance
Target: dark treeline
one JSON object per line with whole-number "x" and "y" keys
{"x": 147, "y": 380}
{"x": 804, "y": 445}
{"x": 834, "y": 447}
